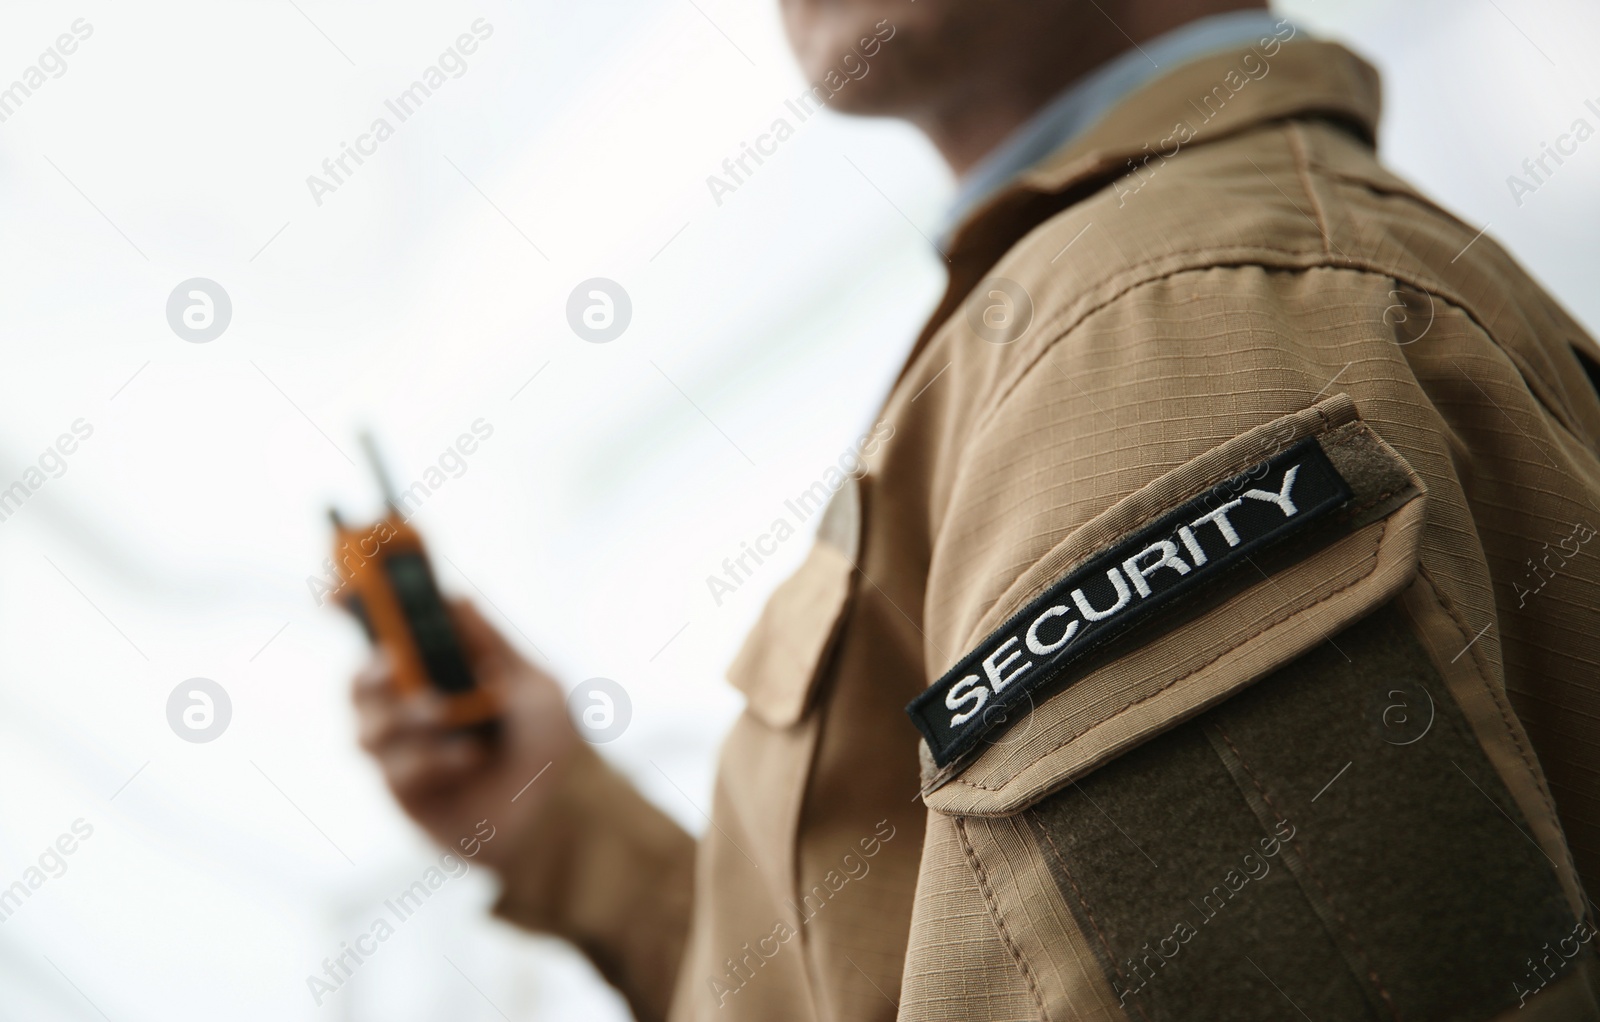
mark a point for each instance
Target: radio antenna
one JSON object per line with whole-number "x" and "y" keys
{"x": 385, "y": 485}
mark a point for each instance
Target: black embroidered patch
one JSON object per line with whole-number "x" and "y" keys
{"x": 1186, "y": 548}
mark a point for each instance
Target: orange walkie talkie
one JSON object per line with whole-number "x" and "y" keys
{"x": 390, "y": 588}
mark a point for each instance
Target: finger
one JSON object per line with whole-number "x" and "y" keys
{"x": 379, "y": 726}
{"x": 382, "y": 722}
{"x": 374, "y": 682}
{"x": 419, "y": 768}
{"x": 480, "y": 639}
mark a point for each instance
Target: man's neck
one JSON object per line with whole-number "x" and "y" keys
{"x": 974, "y": 115}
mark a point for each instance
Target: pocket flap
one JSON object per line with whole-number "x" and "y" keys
{"x": 786, "y": 651}
{"x": 1067, "y": 684}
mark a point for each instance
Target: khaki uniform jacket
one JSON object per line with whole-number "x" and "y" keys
{"x": 1335, "y": 756}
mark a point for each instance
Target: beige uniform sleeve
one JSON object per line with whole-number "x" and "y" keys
{"x": 614, "y": 875}
{"x": 1200, "y": 754}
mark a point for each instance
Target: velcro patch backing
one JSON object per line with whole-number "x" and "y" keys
{"x": 1332, "y": 838}
{"x": 1186, "y": 548}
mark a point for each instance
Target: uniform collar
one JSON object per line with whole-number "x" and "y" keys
{"x": 1301, "y": 79}
{"x": 1259, "y": 84}
{"x": 1084, "y": 102}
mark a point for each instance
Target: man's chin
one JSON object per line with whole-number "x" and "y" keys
{"x": 858, "y": 71}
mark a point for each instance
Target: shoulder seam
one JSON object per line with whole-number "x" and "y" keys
{"x": 1246, "y": 257}
{"x": 1436, "y": 289}
{"x": 1302, "y": 166}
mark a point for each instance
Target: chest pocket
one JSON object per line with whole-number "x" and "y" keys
{"x": 787, "y": 651}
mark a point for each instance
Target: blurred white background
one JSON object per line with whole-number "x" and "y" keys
{"x": 428, "y": 291}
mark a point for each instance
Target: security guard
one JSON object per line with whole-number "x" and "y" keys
{"x": 1229, "y": 547}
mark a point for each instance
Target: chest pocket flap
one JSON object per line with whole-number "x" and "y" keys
{"x": 787, "y": 651}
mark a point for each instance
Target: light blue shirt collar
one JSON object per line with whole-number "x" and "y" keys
{"x": 1088, "y": 99}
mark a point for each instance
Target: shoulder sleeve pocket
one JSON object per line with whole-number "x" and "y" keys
{"x": 1179, "y": 596}
{"x": 1258, "y": 787}
{"x": 786, "y": 652}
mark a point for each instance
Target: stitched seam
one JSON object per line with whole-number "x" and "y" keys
{"x": 1506, "y": 715}
{"x": 1372, "y": 972}
{"x": 1379, "y": 499}
{"x": 1068, "y": 321}
{"x": 1322, "y": 413}
{"x": 1110, "y": 955}
{"x": 999, "y": 921}
{"x": 1562, "y": 414}
{"x": 1302, "y": 167}
{"x": 1385, "y": 189}
{"x": 1271, "y": 624}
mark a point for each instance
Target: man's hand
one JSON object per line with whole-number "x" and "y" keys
{"x": 449, "y": 779}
